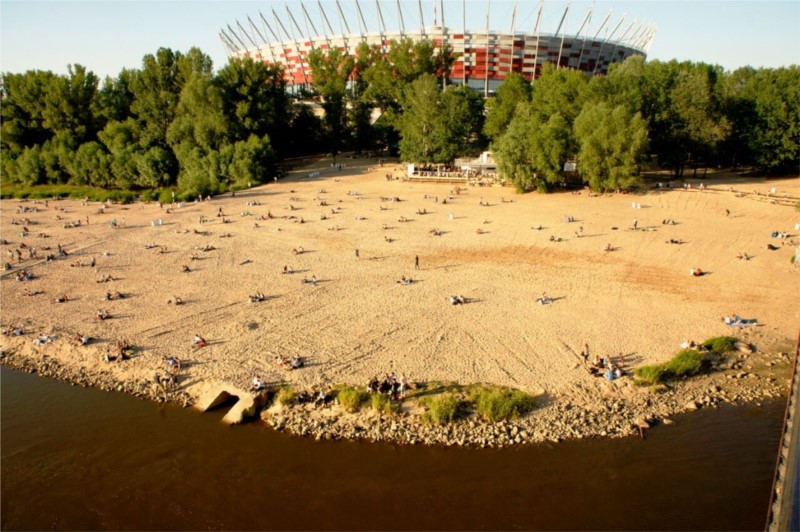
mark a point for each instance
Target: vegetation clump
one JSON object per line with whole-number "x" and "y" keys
{"x": 684, "y": 364}
{"x": 351, "y": 398}
{"x": 287, "y": 396}
{"x": 442, "y": 409}
{"x": 383, "y": 404}
{"x": 497, "y": 404}
{"x": 720, "y": 344}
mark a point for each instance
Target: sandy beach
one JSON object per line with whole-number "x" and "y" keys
{"x": 638, "y": 300}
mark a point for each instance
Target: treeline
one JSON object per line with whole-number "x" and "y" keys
{"x": 671, "y": 114}
{"x": 175, "y": 123}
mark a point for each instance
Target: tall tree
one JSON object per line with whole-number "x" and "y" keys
{"x": 501, "y": 109}
{"x": 436, "y": 126}
{"x": 612, "y": 142}
{"x": 331, "y": 70}
{"x": 254, "y": 100}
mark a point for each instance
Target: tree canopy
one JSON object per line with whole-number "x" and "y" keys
{"x": 175, "y": 122}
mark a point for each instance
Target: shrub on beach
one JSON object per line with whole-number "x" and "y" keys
{"x": 720, "y": 344}
{"x": 287, "y": 395}
{"x": 351, "y": 398}
{"x": 498, "y": 404}
{"x": 67, "y": 191}
{"x": 441, "y": 409}
{"x": 683, "y": 364}
{"x": 383, "y": 404}
{"x": 649, "y": 375}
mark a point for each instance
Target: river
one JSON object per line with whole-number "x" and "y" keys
{"x": 76, "y": 458}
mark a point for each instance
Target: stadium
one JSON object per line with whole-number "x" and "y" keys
{"x": 483, "y": 57}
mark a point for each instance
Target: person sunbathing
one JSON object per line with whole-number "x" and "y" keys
{"x": 102, "y": 315}
{"x": 288, "y": 269}
{"x": 297, "y": 363}
{"x": 312, "y": 281}
{"x": 298, "y": 250}
{"x": 457, "y": 300}
{"x": 176, "y": 300}
{"x": 545, "y": 299}
{"x": 199, "y": 341}
{"x": 696, "y": 272}
{"x": 185, "y": 269}
{"x": 105, "y": 279}
{"x": 609, "y": 248}
{"x": 743, "y": 256}
{"x": 257, "y": 298}
{"x": 61, "y": 299}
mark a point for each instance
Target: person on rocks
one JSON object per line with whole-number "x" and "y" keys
{"x": 172, "y": 365}
{"x": 258, "y": 385}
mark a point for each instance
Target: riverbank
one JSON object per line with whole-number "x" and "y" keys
{"x": 621, "y": 409}
{"x": 353, "y": 235}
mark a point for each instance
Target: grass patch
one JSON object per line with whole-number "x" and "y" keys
{"x": 383, "y": 404}
{"x": 67, "y": 191}
{"x": 287, "y": 395}
{"x": 441, "y": 409}
{"x": 649, "y": 375}
{"x": 720, "y": 344}
{"x": 351, "y": 398}
{"x": 496, "y": 404}
{"x": 685, "y": 363}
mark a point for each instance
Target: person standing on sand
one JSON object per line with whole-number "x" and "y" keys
{"x": 416, "y": 262}
{"x": 357, "y": 254}
{"x": 635, "y": 224}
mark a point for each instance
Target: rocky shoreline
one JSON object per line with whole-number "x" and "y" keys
{"x": 620, "y": 411}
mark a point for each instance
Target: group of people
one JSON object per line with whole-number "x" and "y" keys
{"x": 285, "y": 362}
{"x": 392, "y": 385}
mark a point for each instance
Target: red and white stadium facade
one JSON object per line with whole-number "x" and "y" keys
{"x": 483, "y": 59}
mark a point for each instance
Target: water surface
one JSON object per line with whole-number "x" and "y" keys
{"x": 75, "y": 458}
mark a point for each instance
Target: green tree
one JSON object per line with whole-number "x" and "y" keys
{"x": 502, "y": 108}
{"x": 532, "y": 152}
{"x": 436, "y": 126}
{"x": 331, "y": 70}
{"x": 612, "y": 142}
{"x": 775, "y": 137}
{"x": 254, "y": 100}
{"x": 23, "y": 109}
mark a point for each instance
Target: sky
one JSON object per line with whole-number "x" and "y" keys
{"x": 106, "y": 36}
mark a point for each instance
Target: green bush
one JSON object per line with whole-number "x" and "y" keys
{"x": 165, "y": 196}
{"x": 383, "y": 405}
{"x": 351, "y": 398}
{"x": 287, "y": 395}
{"x": 441, "y": 409}
{"x": 495, "y": 404}
{"x": 649, "y": 374}
{"x": 683, "y": 364}
{"x": 720, "y": 344}
{"x": 686, "y": 362}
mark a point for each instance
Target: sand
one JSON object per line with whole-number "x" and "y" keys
{"x": 638, "y": 300}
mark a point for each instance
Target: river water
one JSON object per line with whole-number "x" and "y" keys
{"x": 77, "y": 459}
